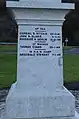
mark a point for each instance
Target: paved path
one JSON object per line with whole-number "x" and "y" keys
{"x": 8, "y": 52}
{"x": 72, "y": 51}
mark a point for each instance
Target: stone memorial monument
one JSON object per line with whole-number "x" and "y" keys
{"x": 39, "y": 91}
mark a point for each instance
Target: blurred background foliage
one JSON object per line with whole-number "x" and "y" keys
{"x": 8, "y": 26}
{"x": 70, "y": 28}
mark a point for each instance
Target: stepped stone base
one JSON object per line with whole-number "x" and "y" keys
{"x": 39, "y": 104}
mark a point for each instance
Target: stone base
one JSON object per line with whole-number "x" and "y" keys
{"x": 39, "y": 104}
{"x": 72, "y": 117}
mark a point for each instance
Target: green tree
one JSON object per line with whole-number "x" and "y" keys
{"x": 71, "y": 25}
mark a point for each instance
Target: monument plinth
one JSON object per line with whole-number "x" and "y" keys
{"x": 39, "y": 91}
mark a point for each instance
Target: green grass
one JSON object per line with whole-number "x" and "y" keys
{"x": 7, "y": 70}
{"x": 71, "y": 68}
{"x": 68, "y": 47}
{"x": 8, "y": 48}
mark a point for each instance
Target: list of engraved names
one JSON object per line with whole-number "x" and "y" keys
{"x": 39, "y": 41}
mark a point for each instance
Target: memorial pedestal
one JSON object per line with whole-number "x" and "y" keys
{"x": 40, "y": 104}
{"x": 39, "y": 90}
